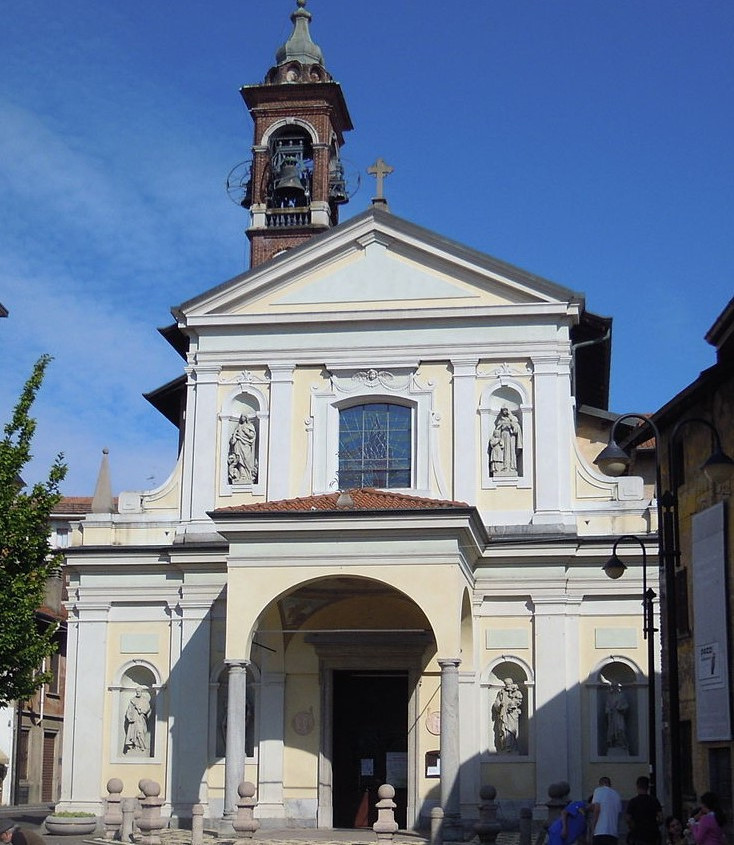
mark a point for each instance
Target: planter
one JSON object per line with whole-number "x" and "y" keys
{"x": 71, "y": 825}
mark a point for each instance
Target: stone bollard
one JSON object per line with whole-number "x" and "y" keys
{"x": 197, "y": 824}
{"x": 557, "y": 800}
{"x": 128, "y": 819}
{"x": 487, "y": 827}
{"x": 385, "y": 826}
{"x": 150, "y": 822}
{"x": 112, "y": 810}
{"x": 138, "y": 805}
{"x": 526, "y": 825}
{"x": 437, "y": 826}
{"x": 245, "y": 823}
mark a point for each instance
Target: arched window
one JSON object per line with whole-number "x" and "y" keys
{"x": 375, "y": 446}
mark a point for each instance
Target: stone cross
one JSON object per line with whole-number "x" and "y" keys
{"x": 380, "y": 170}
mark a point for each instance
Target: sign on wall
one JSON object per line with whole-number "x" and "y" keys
{"x": 713, "y": 711}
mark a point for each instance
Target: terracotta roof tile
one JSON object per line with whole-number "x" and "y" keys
{"x": 364, "y": 499}
{"x": 72, "y": 505}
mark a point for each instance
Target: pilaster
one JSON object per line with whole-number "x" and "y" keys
{"x": 201, "y": 427}
{"x": 552, "y": 384}
{"x": 270, "y": 759}
{"x": 465, "y": 421}
{"x": 281, "y": 427}
{"x": 551, "y": 708}
{"x": 189, "y": 698}
{"x": 84, "y": 704}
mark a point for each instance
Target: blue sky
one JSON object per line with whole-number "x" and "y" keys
{"x": 588, "y": 141}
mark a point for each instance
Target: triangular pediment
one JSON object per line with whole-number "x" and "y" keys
{"x": 376, "y": 262}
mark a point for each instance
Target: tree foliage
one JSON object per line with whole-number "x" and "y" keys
{"x": 26, "y": 558}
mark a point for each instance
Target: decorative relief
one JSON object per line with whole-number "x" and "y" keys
{"x": 371, "y": 379}
{"x": 304, "y": 722}
{"x": 505, "y": 370}
{"x": 433, "y": 723}
{"x": 244, "y": 378}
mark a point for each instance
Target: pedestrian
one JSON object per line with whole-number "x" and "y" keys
{"x": 571, "y": 826}
{"x": 11, "y": 834}
{"x": 674, "y": 832}
{"x": 707, "y": 824}
{"x": 644, "y": 815}
{"x": 606, "y": 805}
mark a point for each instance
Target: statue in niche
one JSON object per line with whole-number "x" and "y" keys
{"x": 615, "y": 709}
{"x": 504, "y": 445}
{"x": 137, "y": 733}
{"x": 241, "y": 460}
{"x": 506, "y": 712}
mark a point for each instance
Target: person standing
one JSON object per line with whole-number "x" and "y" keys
{"x": 707, "y": 826}
{"x": 644, "y": 815}
{"x": 606, "y": 805}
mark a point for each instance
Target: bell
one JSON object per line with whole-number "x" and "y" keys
{"x": 337, "y": 183}
{"x": 288, "y": 185}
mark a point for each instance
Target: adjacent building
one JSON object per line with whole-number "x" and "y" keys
{"x": 703, "y": 599}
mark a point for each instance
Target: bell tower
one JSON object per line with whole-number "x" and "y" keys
{"x": 296, "y": 182}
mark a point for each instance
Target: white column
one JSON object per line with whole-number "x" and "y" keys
{"x": 188, "y": 690}
{"x": 552, "y": 383}
{"x": 551, "y": 727}
{"x": 281, "y": 429}
{"x": 270, "y": 748}
{"x": 84, "y": 742}
{"x": 450, "y": 777}
{"x": 234, "y": 763}
{"x": 465, "y": 429}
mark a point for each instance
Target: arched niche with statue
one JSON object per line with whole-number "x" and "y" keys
{"x": 617, "y": 699}
{"x": 243, "y": 435}
{"x": 507, "y": 707}
{"x": 137, "y": 707}
{"x": 506, "y": 434}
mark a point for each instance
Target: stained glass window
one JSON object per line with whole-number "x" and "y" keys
{"x": 375, "y": 446}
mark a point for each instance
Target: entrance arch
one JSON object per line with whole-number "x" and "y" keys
{"x": 345, "y": 655}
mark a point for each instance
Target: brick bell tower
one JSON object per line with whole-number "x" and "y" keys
{"x": 296, "y": 182}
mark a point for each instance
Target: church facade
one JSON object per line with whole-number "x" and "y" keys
{"x": 378, "y": 557}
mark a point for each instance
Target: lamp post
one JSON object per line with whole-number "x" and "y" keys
{"x": 614, "y": 461}
{"x": 614, "y": 568}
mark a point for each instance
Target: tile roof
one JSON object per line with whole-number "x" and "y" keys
{"x": 72, "y": 505}
{"x": 364, "y": 499}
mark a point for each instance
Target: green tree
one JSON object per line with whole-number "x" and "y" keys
{"x": 26, "y": 558}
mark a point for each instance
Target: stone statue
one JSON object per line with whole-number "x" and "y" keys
{"x": 137, "y": 735}
{"x": 504, "y": 444}
{"x": 616, "y": 712}
{"x": 241, "y": 460}
{"x": 506, "y": 712}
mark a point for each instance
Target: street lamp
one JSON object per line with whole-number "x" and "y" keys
{"x": 614, "y": 461}
{"x": 614, "y": 568}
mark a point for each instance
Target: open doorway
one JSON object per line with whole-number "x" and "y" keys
{"x": 370, "y": 744}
